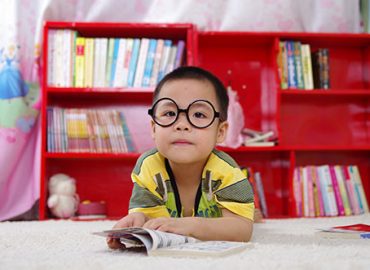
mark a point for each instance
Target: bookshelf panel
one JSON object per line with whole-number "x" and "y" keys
{"x": 324, "y": 120}
{"x": 245, "y": 62}
{"x": 274, "y": 169}
{"x": 97, "y": 180}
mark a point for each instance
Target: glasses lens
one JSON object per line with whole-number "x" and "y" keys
{"x": 201, "y": 114}
{"x": 165, "y": 112}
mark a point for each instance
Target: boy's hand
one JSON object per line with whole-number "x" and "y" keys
{"x": 184, "y": 226}
{"x": 131, "y": 220}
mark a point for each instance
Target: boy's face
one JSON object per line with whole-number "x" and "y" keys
{"x": 181, "y": 142}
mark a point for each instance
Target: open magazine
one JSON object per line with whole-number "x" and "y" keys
{"x": 157, "y": 243}
{"x": 352, "y": 231}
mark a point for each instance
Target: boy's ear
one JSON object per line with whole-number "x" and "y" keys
{"x": 152, "y": 128}
{"x": 222, "y": 131}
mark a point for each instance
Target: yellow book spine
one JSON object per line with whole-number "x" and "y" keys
{"x": 80, "y": 62}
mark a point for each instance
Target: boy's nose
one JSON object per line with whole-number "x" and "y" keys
{"x": 182, "y": 122}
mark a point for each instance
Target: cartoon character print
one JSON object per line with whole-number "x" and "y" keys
{"x": 19, "y": 102}
{"x": 11, "y": 82}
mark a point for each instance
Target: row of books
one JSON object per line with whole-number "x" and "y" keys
{"x": 87, "y": 130}
{"x": 329, "y": 190}
{"x": 258, "y": 190}
{"x": 300, "y": 69}
{"x": 76, "y": 61}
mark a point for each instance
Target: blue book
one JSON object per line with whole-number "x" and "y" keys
{"x": 50, "y": 129}
{"x": 133, "y": 62}
{"x": 114, "y": 61}
{"x": 149, "y": 62}
{"x": 292, "y": 76}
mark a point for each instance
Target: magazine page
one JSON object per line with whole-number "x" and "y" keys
{"x": 201, "y": 249}
{"x": 130, "y": 237}
{"x": 164, "y": 239}
{"x": 151, "y": 239}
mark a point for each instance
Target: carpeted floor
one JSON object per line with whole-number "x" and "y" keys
{"x": 277, "y": 244}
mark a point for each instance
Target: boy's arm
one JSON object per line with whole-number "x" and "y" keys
{"x": 230, "y": 227}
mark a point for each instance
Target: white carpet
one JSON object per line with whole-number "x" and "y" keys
{"x": 277, "y": 244}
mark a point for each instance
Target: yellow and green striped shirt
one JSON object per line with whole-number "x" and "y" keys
{"x": 223, "y": 185}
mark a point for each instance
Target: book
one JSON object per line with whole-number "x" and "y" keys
{"x": 157, "y": 243}
{"x": 352, "y": 231}
{"x": 261, "y": 194}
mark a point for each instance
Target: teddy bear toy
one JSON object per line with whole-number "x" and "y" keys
{"x": 63, "y": 200}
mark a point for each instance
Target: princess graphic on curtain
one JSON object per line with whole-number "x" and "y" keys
{"x": 11, "y": 82}
{"x": 16, "y": 97}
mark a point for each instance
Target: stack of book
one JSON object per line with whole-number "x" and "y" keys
{"x": 258, "y": 138}
{"x": 329, "y": 190}
{"x": 87, "y": 130}
{"x": 75, "y": 61}
{"x": 300, "y": 69}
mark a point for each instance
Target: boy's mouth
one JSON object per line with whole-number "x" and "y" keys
{"x": 181, "y": 142}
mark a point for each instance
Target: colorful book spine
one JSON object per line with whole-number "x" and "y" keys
{"x": 333, "y": 208}
{"x": 89, "y": 62}
{"x": 351, "y": 191}
{"x": 51, "y": 56}
{"x": 248, "y": 172}
{"x": 361, "y": 198}
{"x": 80, "y": 62}
{"x": 361, "y": 188}
{"x": 298, "y": 64}
{"x": 311, "y": 192}
{"x": 179, "y": 54}
{"x": 324, "y": 193}
{"x": 325, "y": 71}
{"x": 342, "y": 189}
{"x": 292, "y": 77}
{"x": 120, "y": 62}
{"x": 261, "y": 194}
{"x": 110, "y": 55}
{"x": 283, "y": 65}
{"x": 149, "y": 62}
{"x": 319, "y": 207}
{"x": 338, "y": 197}
{"x": 307, "y": 66}
{"x": 126, "y": 65}
{"x": 165, "y": 59}
{"x": 133, "y": 62}
{"x": 141, "y": 62}
{"x": 157, "y": 61}
{"x": 297, "y": 191}
{"x": 127, "y": 134}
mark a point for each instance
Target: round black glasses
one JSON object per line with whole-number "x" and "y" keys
{"x": 199, "y": 113}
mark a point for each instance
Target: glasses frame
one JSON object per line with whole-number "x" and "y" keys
{"x": 186, "y": 111}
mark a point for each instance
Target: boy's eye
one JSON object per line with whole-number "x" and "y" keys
{"x": 199, "y": 115}
{"x": 169, "y": 113}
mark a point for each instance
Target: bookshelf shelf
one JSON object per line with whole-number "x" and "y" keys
{"x": 318, "y": 127}
{"x": 119, "y": 156}
{"x": 325, "y": 92}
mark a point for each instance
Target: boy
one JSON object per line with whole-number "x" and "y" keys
{"x": 185, "y": 185}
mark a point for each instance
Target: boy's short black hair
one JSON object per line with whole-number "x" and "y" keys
{"x": 191, "y": 72}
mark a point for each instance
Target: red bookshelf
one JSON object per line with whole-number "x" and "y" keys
{"x": 104, "y": 176}
{"x": 314, "y": 127}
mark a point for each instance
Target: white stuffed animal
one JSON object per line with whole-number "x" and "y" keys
{"x": 63, "y": 200}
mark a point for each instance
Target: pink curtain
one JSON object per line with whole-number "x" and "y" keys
{"x": 20, "y": 39}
